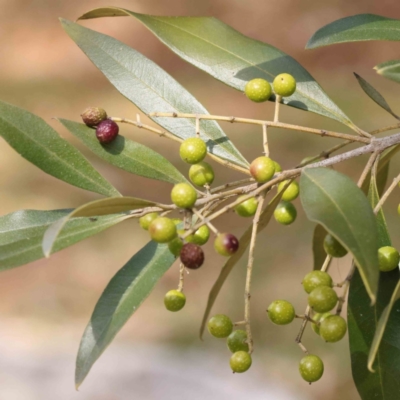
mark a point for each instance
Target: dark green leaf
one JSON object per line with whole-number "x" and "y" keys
{"x": 151, "y": 89}
{"x": 354, "y": 29}
{"x": 375, "y": 95}
{"x": 363, "y": 322}
{"x": 122, "y": 297}
{"x": 36, "y": 141}
{"x": 244, "y": 241}
{"x": 127, "y": 155}
{"x": 390, "y": 70}
{"x": 95, "y": 208}
{"x": 21, "y": 234}
{"x": 319, "y": 252}
{"x": 231, "y": 57}
{"x": 329, "y": 198}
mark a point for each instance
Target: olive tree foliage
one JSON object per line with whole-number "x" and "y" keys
{"x": 350, "y": 211}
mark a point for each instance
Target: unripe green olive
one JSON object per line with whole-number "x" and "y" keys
{"x": 333, "y": 247}
{"x": 248, "y": 208}
{"x": 284, "y": 85}
{"x": 201, "y": 174}
{"x": 183, "y": 195}
{"x": 311, "y": 368}
{"x": 316, "y": 278}
{"x": 220, "y": 326}
{"x": 322, "y": 299}
{"x": 174, "y": 300}
{"x": 333, "y": 328}
{"x": 147, "y": 219}
{"x": 388, "y": 258}
{"x": 237, "y": 341}
{"x": 162, "y": 230}
{"x": 285, "y": 213}
{"x": 200, "y": 236}
{"x": 291, "y": 192}
{"x": 258, "y": 90}
{"x": 281, "y": 312}
{"x": 193, "y": 150}
{"x": 262, "y": 169}
{"x": 240, "y": 361}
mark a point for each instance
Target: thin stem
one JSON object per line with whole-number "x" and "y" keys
{"x": 385, "y": 129}
{"x": 240, "y": 323}
{"x": 278, "y": 100}
{"x": 176, "y": 139}
{"x": 367, "y": 168}
{"x": 181, "y": 277}
{"x": 197, "y": 126}
{"x": 320, "y": 132}
{"x": 386, "y": 195}
{"x": 265, "y": 140}
{"x": 250, "y": 263}
{"x": 345, "y": 285}
{"x": 205, "y": 221}
{"x": 231, "y": 184}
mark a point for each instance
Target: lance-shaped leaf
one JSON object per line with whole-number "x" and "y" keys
{"x": 231, "y": 57}
{"x": 40, "y": 144}
{"x": 334, "y": 201}
{"x": 366, "y": 335}
{"x": 374, "y": 95}
{"x": 127, "y": 155}
{"x": 319, "y": 253}
{"x": 95, "y": 208}
{"x": 389, "y": 69}
{"x": 244, "y": 241}
{"x": 122, "y": 297}
{"x": 152, "y": 90}
{"x": 356, "y": 28}
{"x": 21, "y": 233}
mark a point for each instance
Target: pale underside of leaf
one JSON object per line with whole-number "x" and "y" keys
{"x": 151, "y": 89}
{"x": 232, "y": 58}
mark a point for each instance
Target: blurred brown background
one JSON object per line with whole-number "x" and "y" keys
{"x": 45, "y": 306}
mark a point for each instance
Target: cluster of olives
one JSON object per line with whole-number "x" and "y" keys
{"x": 221, "y": 326}
{"x": 260, "y": 90}
{"x": 322, "y": 299}
{"x": 106, "y": 129}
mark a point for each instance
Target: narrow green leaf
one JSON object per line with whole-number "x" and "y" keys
{"x": 363, "y": 322}
{"x": 390, "y": 70}
{"x": 127, "y": 155}
{"x": 21, "y": 234}
{"x": 319, "y": 253}
{"x": 122, "y": 297}
{"x": 374, "y": 95}
{"x": 231, "y": 57}
{"x": 36, "y": 141}
{"x": 244, "y": 241}
{"x": 111, "y": 205}
{"x": 382, "y": 326}
{"x": 151, "y": 89}
{"x": 356, "y": 28}
{"x": 328, "y": 197}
